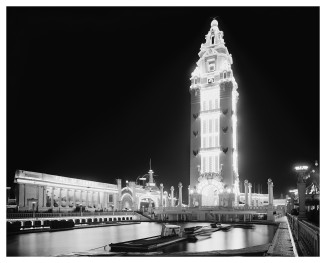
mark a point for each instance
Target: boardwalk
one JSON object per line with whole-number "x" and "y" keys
{"x": 283, "y": 244}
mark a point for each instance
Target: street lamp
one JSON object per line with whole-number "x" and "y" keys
{"x": 301, "y": 168}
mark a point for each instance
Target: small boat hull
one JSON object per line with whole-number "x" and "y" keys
{"x": 145, "y": 244}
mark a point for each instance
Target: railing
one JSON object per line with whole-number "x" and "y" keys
{"x": 306, "y": 234}
{"x": 219, "y": 208}
{"x": 78, "y": 214}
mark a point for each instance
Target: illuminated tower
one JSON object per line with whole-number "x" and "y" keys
{"x": 213, "y": 149}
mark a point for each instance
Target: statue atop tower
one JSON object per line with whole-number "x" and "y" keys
{"x": 213, "y": 143}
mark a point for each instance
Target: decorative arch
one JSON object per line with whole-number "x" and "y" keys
{"x": 210, "y": 186}
{"x": 127, "y": 201}
{"x": 126, "y": 190}
{"x": 210, "y": 195}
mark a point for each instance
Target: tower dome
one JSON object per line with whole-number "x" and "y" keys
{"x": 214, "y": 23}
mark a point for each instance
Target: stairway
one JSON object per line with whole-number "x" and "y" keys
{"x": 143, "y": 217}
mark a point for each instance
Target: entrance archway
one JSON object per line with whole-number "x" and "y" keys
{"x": 126, "y": 202}
{"x": 210, "y": 196}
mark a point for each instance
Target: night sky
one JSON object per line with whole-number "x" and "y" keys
{"x": 94, "y": 93}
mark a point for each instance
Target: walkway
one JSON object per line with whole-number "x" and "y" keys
{"x": 283, "y": 244}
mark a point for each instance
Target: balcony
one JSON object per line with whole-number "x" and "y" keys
{"x": 209, "y": 112}
{"x": 210, "y": 149}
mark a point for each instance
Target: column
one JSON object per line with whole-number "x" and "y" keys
{"x": 180, "y": 194}
{"x": 81, "y": 197}
{"x": 115, "y": 201}
{"x": 118, "y": 205}
{"x": 52, "y": 198}
{"x": 60, "y": 197}
{"x": 74, "y": 198}
{"x": 44, "y": 196}
{"x": 25, "y": 195}
{"x": 246, "y": 192}
{"x": 161, "y": 194}
{"x": 270, "y": 192}
{"x": 105, "y": 199}
{"x": 39, "y": 197}
{"x": 92, "y": 198}
{"x": 172, "y": 196}
{"x": 99, "y": 200}
{"x": 250, "y": 195}
{"x": 95, "y": 201}
{"x": 87, "y": 198}
{"x": 302, "y": 199}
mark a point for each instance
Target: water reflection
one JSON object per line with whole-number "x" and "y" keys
{"x": 234, "y": 239}
{"x": 55, "y": 243}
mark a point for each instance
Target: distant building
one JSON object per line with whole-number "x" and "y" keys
{"x": 45, "y": 192}
{"x": 41, "y": 192}
{"x": 214, "y": 177}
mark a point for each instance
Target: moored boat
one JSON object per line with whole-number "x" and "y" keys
{"x": 170, "y": 234}
{"x": 246, "y": 226}
{"x": 199, "y": 232}
{"x": 192, "y": 230}
{"x": 215, "y": 225}
{"x": 225, "y": 227}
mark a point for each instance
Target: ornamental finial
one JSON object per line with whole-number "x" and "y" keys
{"x": 214, "y": 23}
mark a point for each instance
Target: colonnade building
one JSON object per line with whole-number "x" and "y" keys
{"x": 41, "y": 192}
{"x": 44, "y": 192}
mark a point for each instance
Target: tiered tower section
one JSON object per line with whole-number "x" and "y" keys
{"x": 214, "y": 150}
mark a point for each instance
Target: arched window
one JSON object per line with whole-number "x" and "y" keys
{"x": 213, "y": 39}
{"x": 224, "y": 75}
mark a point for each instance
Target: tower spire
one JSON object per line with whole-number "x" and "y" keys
{"x": 150, "y": 172}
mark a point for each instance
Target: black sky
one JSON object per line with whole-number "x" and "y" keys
{"x": 93, "y": 93}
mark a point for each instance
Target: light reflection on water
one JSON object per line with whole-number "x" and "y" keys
{"x": 78, "y": 240}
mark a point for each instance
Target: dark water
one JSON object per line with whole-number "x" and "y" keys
{"x": 81, "y": 240}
